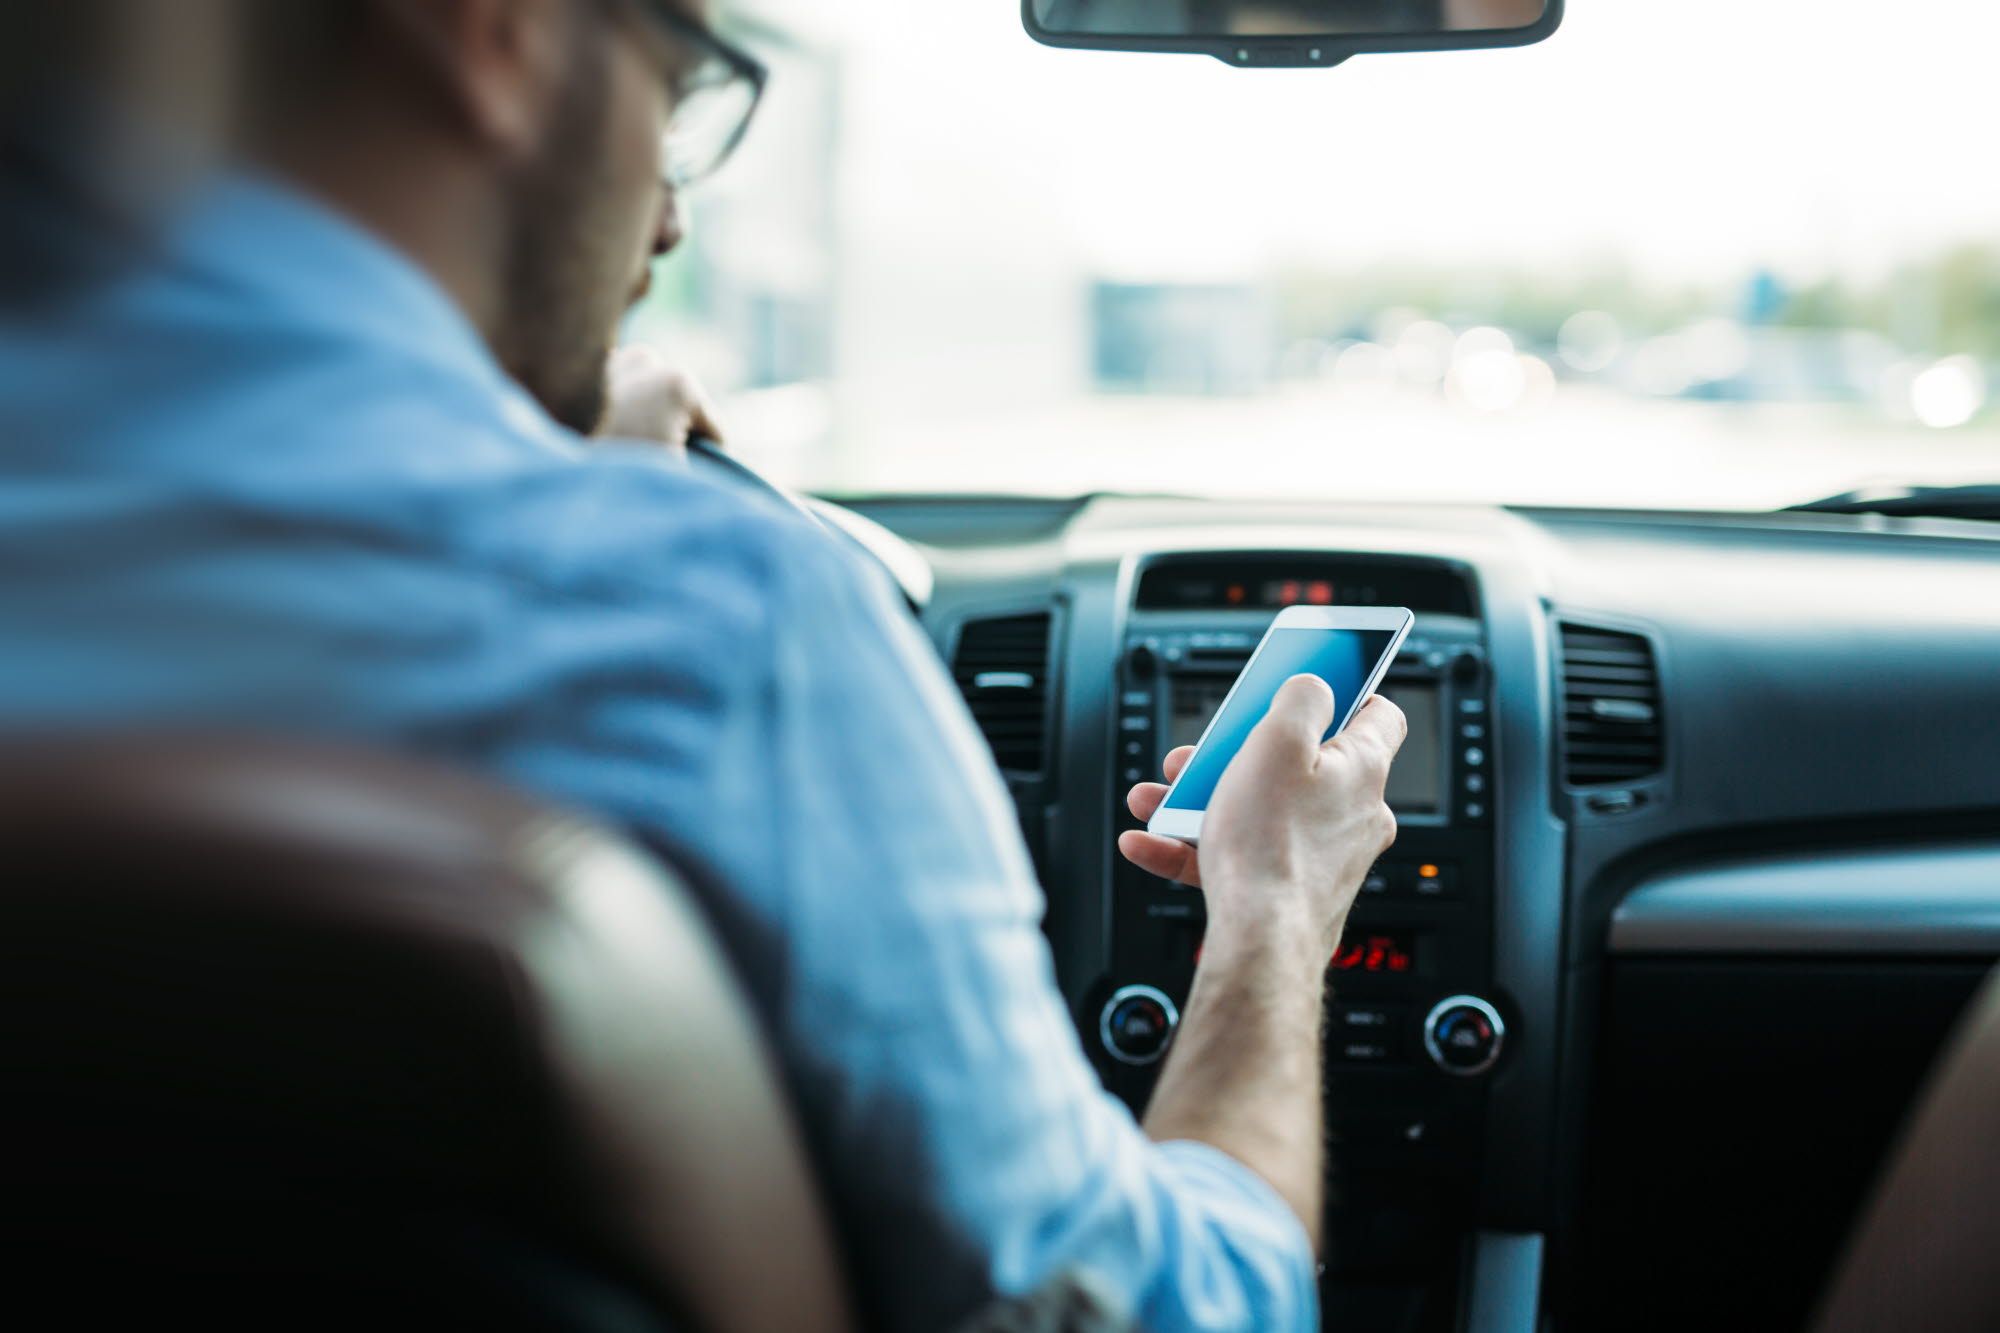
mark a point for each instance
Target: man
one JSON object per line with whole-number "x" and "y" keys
{"x": 282, "y": 474}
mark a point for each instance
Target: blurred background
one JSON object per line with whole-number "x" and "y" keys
{"x": 1691, "y": 255}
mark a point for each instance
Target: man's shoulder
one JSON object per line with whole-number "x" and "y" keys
{"x": 615, "y": 524}
{"x": 494, "y": 487}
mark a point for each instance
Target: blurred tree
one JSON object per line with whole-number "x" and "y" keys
{"x": 1967, "y": 282}
{"x": 1939, "y": 305}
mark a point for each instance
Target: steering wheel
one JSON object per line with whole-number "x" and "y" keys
{"x": 902, "y": 562}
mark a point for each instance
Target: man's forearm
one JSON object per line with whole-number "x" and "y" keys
{"x": 1244, "y": 1074}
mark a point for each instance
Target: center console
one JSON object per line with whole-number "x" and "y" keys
{"x": 1413, "y": 1027}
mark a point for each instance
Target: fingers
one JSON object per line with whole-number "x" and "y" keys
{"x": 701, "y": 416}
{"x": 703, "y": 425}
{"x": 1378, "y": 728}
{"x": 1300, "y": 713}
{"x": 1145, "y": 798}
{"x": 631, "y": 361}
{"x": 1169, "y": 858}
{"x": 652, "y": 400}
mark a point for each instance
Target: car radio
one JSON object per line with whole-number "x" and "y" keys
{"x": 1412, "y": 1028}
{"x": 1176, "y": 678}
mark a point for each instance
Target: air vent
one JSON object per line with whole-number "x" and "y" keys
{"x": 1612, "y": 729}
{"x": 1002, "y": 669}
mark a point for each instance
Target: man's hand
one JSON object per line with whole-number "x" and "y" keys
{"x": 1291, "y": 818}
{"x": 1293, "y": 827}
{"x": 653, "y": 400}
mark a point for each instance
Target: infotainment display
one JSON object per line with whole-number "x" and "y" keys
{"x": 1416, "y": 782}
{"x": 1416, "y": 779}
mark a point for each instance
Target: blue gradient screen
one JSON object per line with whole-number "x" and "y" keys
{"x": 1343, "y": 658}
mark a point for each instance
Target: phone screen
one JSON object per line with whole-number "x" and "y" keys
{"x": 1343, "y": 658}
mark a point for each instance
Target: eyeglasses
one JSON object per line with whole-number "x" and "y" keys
{"x": 714, "y": 88}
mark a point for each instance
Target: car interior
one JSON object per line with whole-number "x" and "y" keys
{"x": 1674, "y": 1004}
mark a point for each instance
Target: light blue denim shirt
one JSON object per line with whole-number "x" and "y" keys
{"x": 274, "y": 478}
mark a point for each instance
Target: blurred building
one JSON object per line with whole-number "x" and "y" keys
{"x": 1180, "y": 339}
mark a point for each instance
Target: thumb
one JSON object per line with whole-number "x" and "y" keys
{"x": 1300, "y": 713}
{"x": 701, "y": 418}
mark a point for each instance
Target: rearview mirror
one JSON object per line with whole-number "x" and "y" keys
{"x": 1266, "y": 33}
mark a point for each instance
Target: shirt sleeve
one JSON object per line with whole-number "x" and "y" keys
{"x": 971, "y": 1146}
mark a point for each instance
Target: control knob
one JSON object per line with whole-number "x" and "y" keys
{"x": 1141, "y": 662}
{"x": 1464, "y": 1034}
{"x": 1136, "y": 1025}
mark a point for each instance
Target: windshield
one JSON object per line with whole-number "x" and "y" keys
{"x": 1706, "y": 255}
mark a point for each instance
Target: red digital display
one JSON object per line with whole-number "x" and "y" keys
{"x": 1391, "y": 951}
{"x": 1376, "y": 951}
{"x": 1291, "y": 592}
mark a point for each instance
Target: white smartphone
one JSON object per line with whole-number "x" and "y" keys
{"x": 1348, "y": 647}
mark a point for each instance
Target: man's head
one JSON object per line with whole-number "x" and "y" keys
{"x": 512, "y": 147}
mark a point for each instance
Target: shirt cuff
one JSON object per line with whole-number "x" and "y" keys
{"x": 1266, "y": 1238}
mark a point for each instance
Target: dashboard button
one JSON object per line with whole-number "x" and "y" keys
{"x": 1436, "y": 881}
{"x": 1137, "y": 1024}
{"x": 1474, "y": 783}
{"x": 1464, "y": 1035}
{"x": 1377, "y": 881}
{"x": 1475, "y": 810}
{"x": 1474, "y": 756}
{"x": 1375, "y": 1021}
{"x": 1364, "y": 1052}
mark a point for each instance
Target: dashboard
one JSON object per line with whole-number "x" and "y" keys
{"x": 1699, "y": 855}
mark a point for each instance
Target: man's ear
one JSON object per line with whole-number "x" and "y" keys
{"x": 498, "y": 64}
